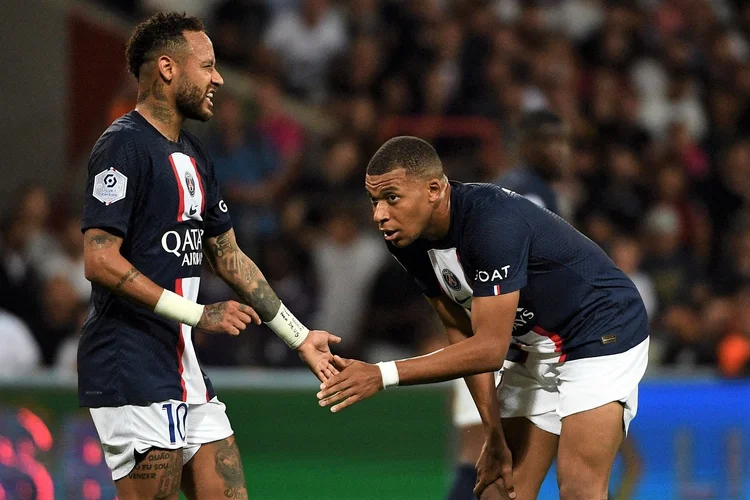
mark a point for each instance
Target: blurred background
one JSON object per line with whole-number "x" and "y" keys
{"x": 657, "y": 97}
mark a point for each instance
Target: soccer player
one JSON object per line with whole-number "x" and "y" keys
{"x": 152, "y": 211}
{"x": 544, "y": 153}
{"x": 510, "y": 278}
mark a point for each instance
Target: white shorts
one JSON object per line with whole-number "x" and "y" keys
{"x": 465, "y": 412}
{"x": 545, "y": 392}
{"x": 127, "y": 430}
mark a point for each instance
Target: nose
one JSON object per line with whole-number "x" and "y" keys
{"x": 217, "y": 80}
{"x": 380, "y": 212}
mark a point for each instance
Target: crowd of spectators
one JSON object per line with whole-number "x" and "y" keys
{"x": 656, "y": 95}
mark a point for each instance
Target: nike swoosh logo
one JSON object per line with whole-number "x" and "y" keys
{"x": 192, "y": 211}
{"x": 463, "y": 301}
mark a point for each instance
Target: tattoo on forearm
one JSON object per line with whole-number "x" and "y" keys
{"x": 244, "y": 277}
{"x": 263, "y": 299}
{"x": 102, "y": 240}
{"x": 128, "y": 277}
{"x": 229, "y": 467}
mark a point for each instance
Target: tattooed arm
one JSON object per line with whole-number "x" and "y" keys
{"x": 241, "y": 274}
{"x": 105, "y": 266}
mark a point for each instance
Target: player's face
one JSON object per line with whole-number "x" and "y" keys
{"x": 402, "y": 205}
{"x": 198, "y": 78}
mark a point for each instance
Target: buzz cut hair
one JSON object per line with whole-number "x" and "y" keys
{"x": 161, "y": 33}
{"x": 413, "y": 154}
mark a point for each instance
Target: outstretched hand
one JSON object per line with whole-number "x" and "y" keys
{"x": 356, "y": 381}
{"x": 316, "y": 353}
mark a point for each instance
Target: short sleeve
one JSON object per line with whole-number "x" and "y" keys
{"x": 216, "y": 219}
{"x": 417, "y": 264}
{"x": 114, "y": 172}
{"x": 496, "y": 246}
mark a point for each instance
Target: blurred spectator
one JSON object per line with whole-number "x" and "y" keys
{"x": 734, "y": 269}
{"x": 305, "y": 42}
{"x": 247, "y": 167}
{"x": 60, "y": 317}
{"x": 238, "y": 30}
{"x": 68, "y": 262}
{"x": 279, "y": 128}
{"x": 20, "y": 354}
{"x": 19, "y": 282}
{"x": 340, "y": 174}
{"x": 627, "y": 254}
{"x": 671, "y": 267}
{"x": 734, "y": 349}
{"x": 346, "y": 261}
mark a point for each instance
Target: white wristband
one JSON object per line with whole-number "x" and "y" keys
{"x": 178, "y": 308}
{"x": 389, "y": 372}
{"x": 288, "y": 327}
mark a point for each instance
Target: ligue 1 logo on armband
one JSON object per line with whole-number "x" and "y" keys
{"x": 190, "y": 183}
{"x": 451, "y": 280}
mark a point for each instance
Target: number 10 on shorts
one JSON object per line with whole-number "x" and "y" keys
{"x": 177, "y": 419}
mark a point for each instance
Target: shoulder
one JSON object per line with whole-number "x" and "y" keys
{"x": 480, "y": 200}
{"x": 125, "y": 133}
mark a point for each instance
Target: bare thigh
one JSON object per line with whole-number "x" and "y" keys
{"x": 215, "y": 472}
{"x": 533, "y": 451}
{"x": 589, "y": 441}
{"x": 156, "y": 476}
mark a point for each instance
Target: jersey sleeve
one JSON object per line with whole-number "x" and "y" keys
{"x": 496, "y": 245}
{"x": 114, "y": 172}
{"x": 417, "y": 264}
{"x": 216, "y": 218}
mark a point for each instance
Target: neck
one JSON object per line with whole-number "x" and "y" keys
{"x": 159, "y": 109}
{"x": 440, "y": 222}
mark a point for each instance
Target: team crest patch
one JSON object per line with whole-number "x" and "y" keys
{"x": 451, "y": 280}
{"x": 110, "y": 186}
{"x": 190, "y": 183}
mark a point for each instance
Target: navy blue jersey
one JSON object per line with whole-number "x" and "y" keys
{"x": 573, "y": 299}
{"x": 162, "y": 198}
{"x": 531, "y": 185}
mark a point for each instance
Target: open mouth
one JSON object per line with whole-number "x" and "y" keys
{"x": 389, "y": 234}
{"x": 209, "y": 98}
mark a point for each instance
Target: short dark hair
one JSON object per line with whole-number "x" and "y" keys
{"x": 160, "y": 32}
{"x": 533, "y": 122}
{"x": 413, "y": 154}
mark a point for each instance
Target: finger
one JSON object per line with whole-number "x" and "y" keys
{"x": 348, "y": 402}
{"x": 509, "y": 484}
{"x": 330, "y": 388}
{"x": 333, "y": 339}
{"x": 233, "y": 331}
{"x": 480, "y": 486}
{"x": 238, "y": 323}
{"x": 245, "y": 318}
{"x": 341, "y": 363}
{"x": 335, "y": 398}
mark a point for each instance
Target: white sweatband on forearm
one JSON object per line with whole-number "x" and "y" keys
{"x": 178, "y": 308}
{"x": 288, "y": 327}
{"x": 389, "y": 372}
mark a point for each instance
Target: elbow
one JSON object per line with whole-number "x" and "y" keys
{"x": 92, "y": 268}
{"x": 492, "y": 357}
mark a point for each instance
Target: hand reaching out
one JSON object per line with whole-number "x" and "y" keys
{"x": 356, "y": 381}
{"x": 316, "y": 353}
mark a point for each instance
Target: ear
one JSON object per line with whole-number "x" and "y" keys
{"x": 436, "y": 187}
{"x": 166, "y": 66}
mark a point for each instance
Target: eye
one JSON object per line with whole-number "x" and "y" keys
{"x": 392, "y": 198}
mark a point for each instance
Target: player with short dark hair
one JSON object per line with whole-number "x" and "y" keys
{"x": 152, "y": 211}
{"x": 521, "y": 290}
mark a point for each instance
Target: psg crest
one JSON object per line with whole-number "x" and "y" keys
{"x": 451, "y": 280}
{"x": 190, "y": 183}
